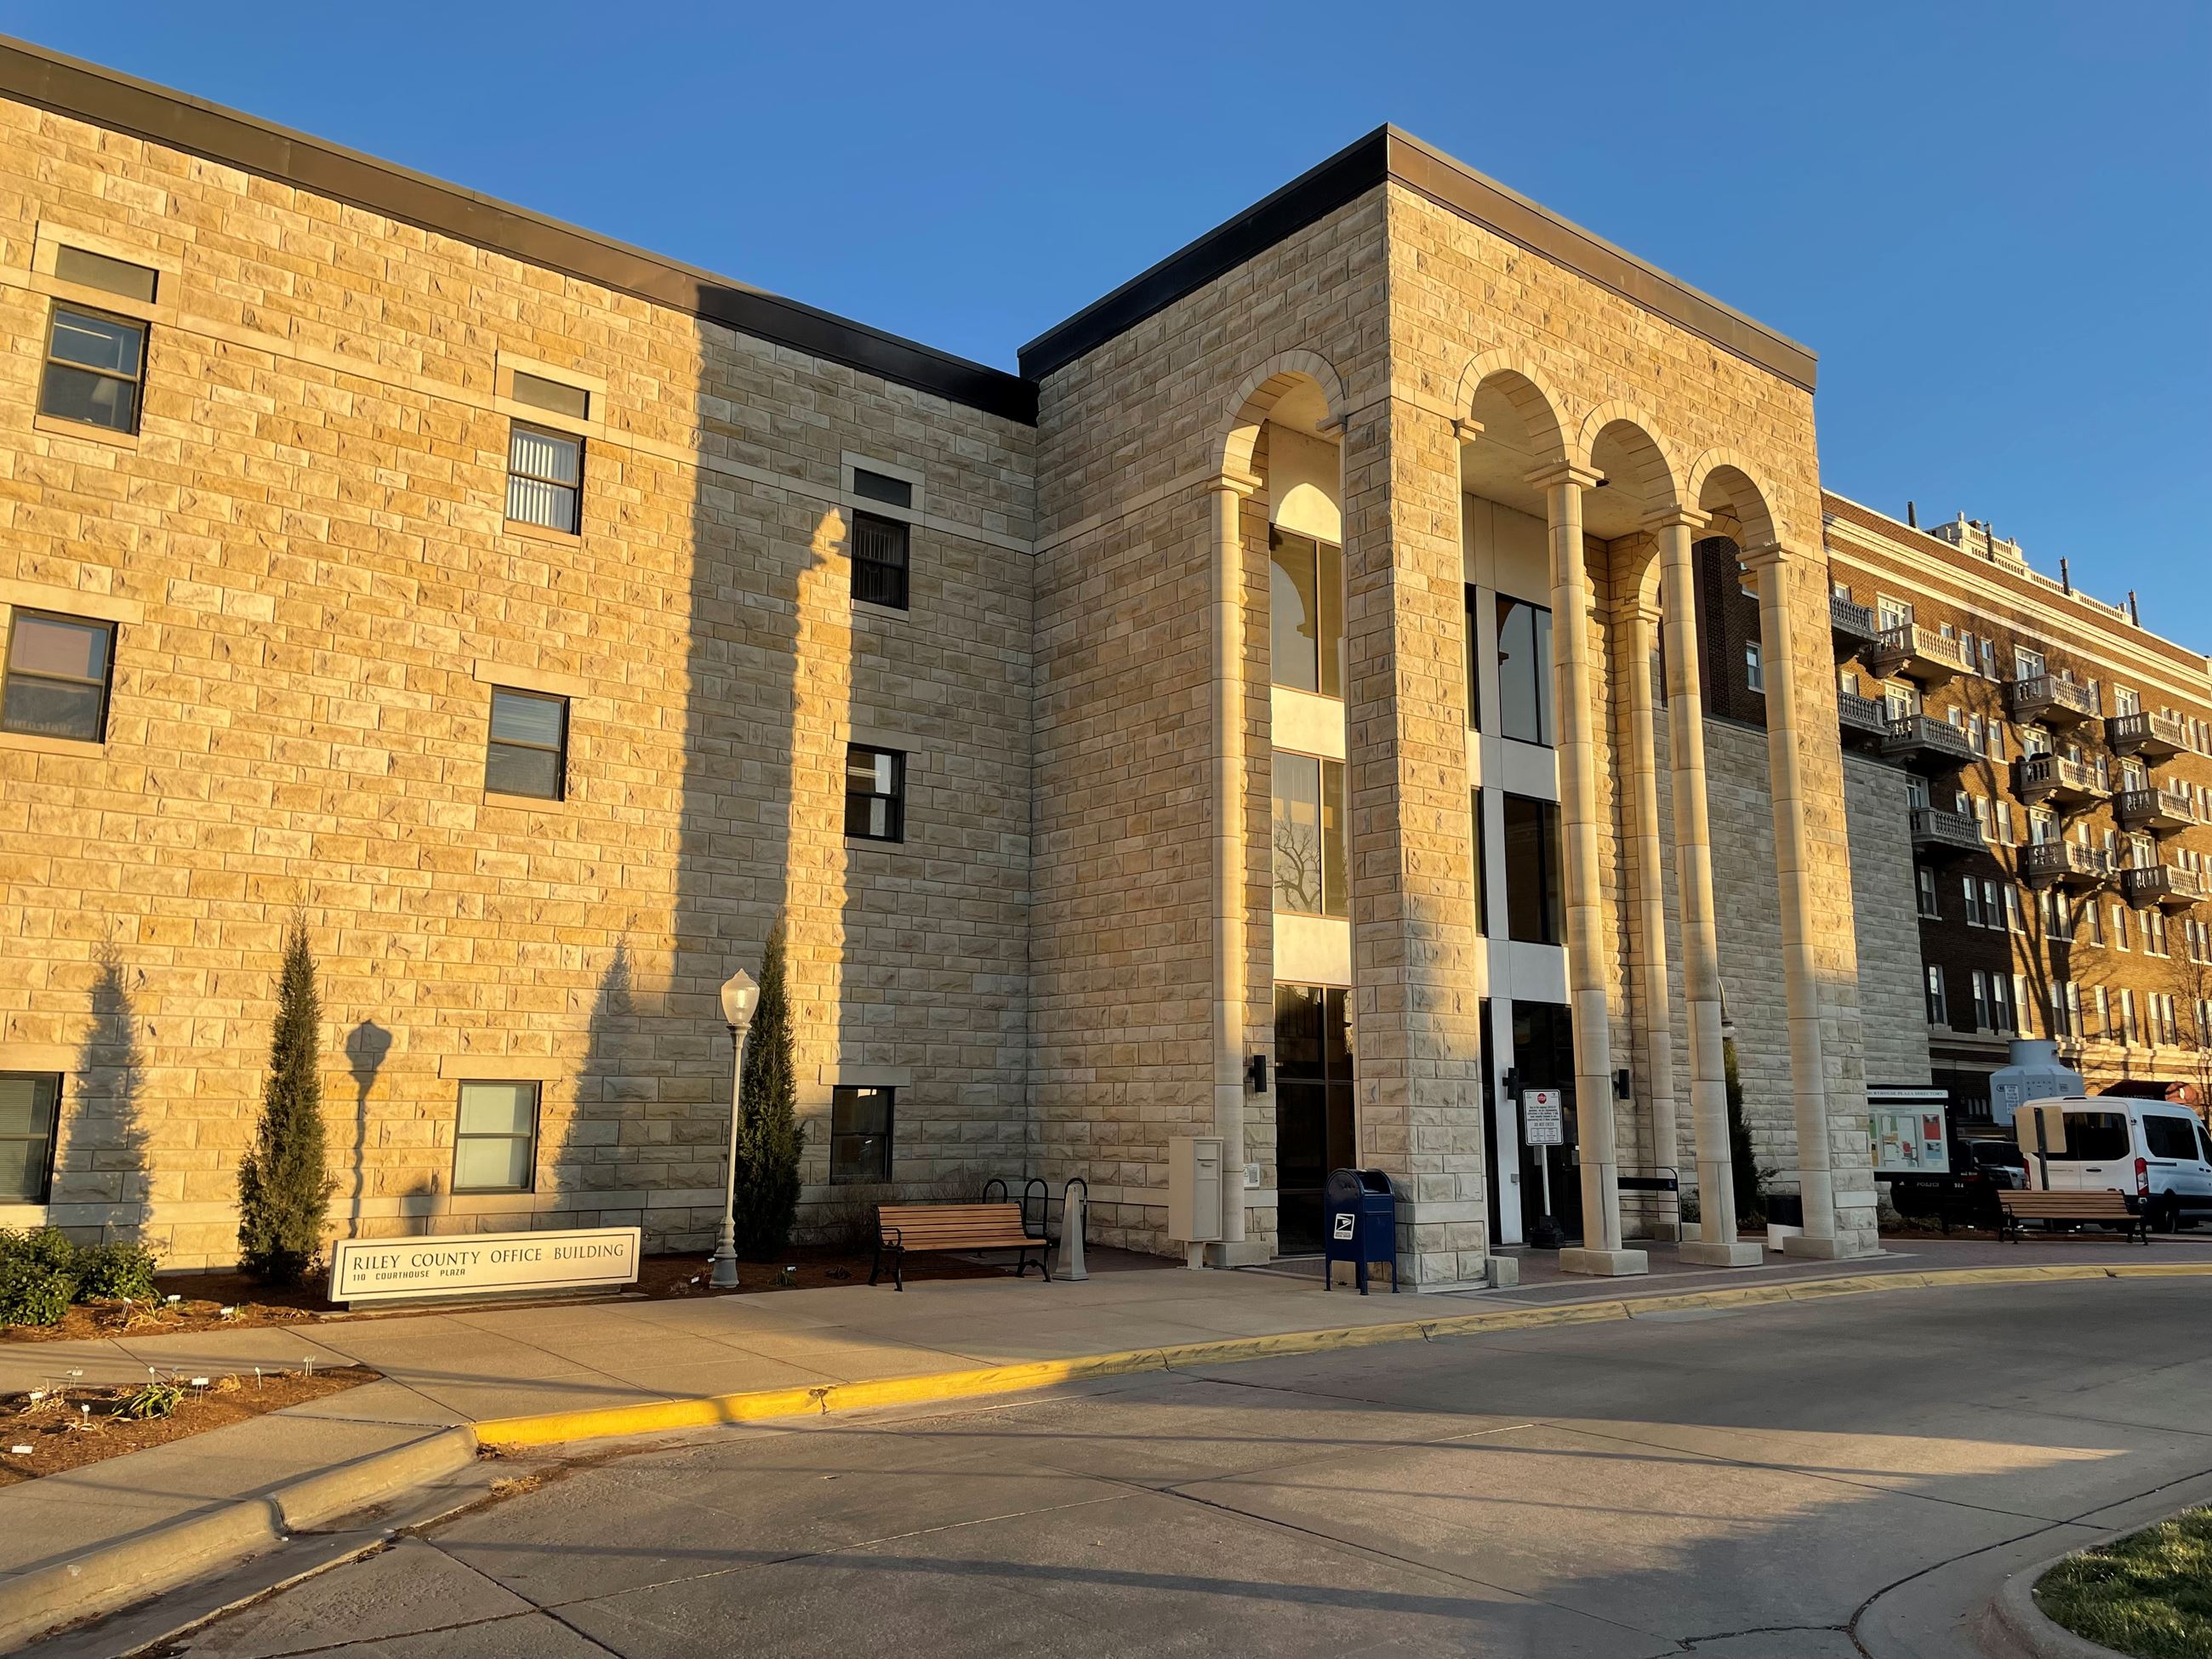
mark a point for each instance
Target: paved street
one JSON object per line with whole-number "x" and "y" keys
{"x": 1764, "y": 1481}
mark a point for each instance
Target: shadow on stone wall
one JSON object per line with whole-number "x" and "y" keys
{"x": 111, "y": 1112}
{"x": 366, "y": 1046}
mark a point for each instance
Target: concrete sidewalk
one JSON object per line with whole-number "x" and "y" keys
{"x": 446, "y": 1371}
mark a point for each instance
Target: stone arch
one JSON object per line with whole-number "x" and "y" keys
{"x": 1523, "y": 385}
{"x": 1724, "y": 480}
{"x": 1261, "y": 390}
{"x": 1652, "y": 468}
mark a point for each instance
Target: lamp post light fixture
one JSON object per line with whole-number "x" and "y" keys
{"x": 740, "y": 997}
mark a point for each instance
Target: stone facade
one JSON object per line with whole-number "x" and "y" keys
{"x": 305, "y": 549}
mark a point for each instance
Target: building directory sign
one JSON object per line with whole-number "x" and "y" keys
{"x": 481, "y": 1264}
{"x": 1543, "y": 1121}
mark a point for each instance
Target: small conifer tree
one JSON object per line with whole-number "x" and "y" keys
{"x": 770, "y": 1137}
{"x": 1749, "y": 1181}
{"x": 283, "y": 1188}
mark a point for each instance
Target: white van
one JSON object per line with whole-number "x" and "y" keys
{"x": 2149, "y": 1149}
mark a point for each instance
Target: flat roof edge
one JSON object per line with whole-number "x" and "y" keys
{"x": 107, "y": 98}
{"x": 1388, "y": 154}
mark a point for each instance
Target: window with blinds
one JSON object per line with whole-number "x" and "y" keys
{"x": 545, "y": 479}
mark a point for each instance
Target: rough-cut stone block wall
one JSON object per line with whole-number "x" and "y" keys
{"x": 1891, "y": 1003}
{"x": 1122, "y": 949}
{"x": 307, "y": 539}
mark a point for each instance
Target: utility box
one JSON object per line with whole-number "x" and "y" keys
{"x": 1195, "y": 1191}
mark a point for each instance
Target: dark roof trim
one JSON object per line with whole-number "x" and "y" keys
{"x": 1387, "y": 154}
{"x": 105, "y": 98}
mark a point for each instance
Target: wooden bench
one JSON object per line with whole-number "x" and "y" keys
{"x": 901, "y": 1228}
{"x": 2107, "y": 1208}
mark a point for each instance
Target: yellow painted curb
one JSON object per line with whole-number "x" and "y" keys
{"x": 664, "y": 1416}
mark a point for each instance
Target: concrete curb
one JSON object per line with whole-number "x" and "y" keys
{"x": 115, "y": 1575}
{"x": 2034, "y": 1635}
{"x": 666, "y": 1416}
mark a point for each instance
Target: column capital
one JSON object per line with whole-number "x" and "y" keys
{"x": 1230, "y": 481}
{"x": 1690, "y": 518}
{"x": 1468, "y": 430}
{"x": 1564, "y": 472}
{"x": 1761, "y": 556}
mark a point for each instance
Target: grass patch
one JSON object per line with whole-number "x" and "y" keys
{"x": 2148, "y": 1594}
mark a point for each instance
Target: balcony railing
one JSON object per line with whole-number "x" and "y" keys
{"x": 1862, "y": 717}
{"x": 2163, "y": 812}
{"x": 2054, "y": 781}
{"x": 2049, "y": 700}
{"x": 1918, "y": 654}
{"x": 2167, "y": 885}
{"x": 1923, "y": 743}
{"x": 2155, "y": 736}
{"x": 2065, "y": 862}
{"x": 1851, "y": 626}
{"x": 1934, "y": 830}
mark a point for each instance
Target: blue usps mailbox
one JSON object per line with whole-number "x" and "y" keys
{"x": 1362, "y": 1208}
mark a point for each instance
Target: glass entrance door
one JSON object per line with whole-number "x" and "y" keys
{"x": 1544, "y": 1056}
{"x": 1314, "y": 1118}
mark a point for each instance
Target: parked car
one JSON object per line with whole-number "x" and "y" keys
{"x": 2154, "y": 1151}
{"x": 1967, "y": 1192}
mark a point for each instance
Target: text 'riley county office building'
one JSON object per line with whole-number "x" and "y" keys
{"x": 1299, "y": 663}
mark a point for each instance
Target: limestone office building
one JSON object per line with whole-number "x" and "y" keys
{"x": 1299, "y": 662}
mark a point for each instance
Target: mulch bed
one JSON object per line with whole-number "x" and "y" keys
{"x": 70, "y": 1427}
{"x": 226, "y": 1301}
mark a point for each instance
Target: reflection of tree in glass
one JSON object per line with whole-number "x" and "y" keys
{"x": 1297, "y": 867}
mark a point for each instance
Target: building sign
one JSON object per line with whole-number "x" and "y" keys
{"x": 1543, "y": 1123}
{"x": 483, "y": 1264}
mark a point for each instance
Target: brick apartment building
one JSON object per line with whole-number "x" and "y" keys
{"x": 1182, "y": 736}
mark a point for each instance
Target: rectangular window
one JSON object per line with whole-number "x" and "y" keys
{"x": 1311, "y": 871}
{"x": 2027, "y": 665}
{"x": 544, "y": 478}
{"x": 2130, "y": 1033}
{"x": 1524, "y": 672}
{"x": 875, "y": 794}
{"x": 1893, "y": 613}
{"x": 1481, "y": 872}
{"x": 1306, "y": 613}
{"x": 2012, "y": 909}
{"x": 552, "y": 397}
{"x": 2100, "y": 1007}
{"x": 1939, "y": 1011}
{"x": 1981, "y": 986}
{"x": 95, "y": 368}
{"x": 2153, "y": 930}
{"x": 880, "y": 560}
{"x": 30, "y": 1102}
{"x": 1536, "y": 906}
{"x": 495, "y": 1138}
{"x": 57, "y": 677}
{"x": 2119, "y": 927}
{"x": 2001, "y": 1004}
{"x": 528, "y": 754}
{"x": 861, "y": 1135}
{"x": 1924, "y": 885}
{"x": 1755, "y": 678}
{"x": 2023, "y": 1006}
{"x": 1988, "y": 658}
{"x": 2126, "y": 701}
{"x": 1973, "y": 891}
{"x": 1474, "y": 679}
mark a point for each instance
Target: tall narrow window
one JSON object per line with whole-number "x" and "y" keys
{"x": 57, "y": 677}
{"x": 1481, "y": 872}
{"x": 1923, "y": 882}
{"x": 1938, "y": 1010}
{"x": 875, "y": 794}
{"x": 529, "y": 751}
{"x": 544, "y": 478}
{"x": 495, "y": 1138}
{"x": 860, "y": 1134}
{"x": 1536, "y": 906}
{"x": 1524, "y": 670}
{"x": 1306, "y": 613}
{"x": 1310, "y": 870}
{"x": 29, "y": 1103}
{"x": 1316, "y": 1123}
{"x": 1473, "y": 677}
{"x": 1755, "y": 677}
{"x": 95, "y": 368}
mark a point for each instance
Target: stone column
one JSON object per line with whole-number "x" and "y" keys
{"x": 1793, "y": 866}
{"x": 1715, "y": 1244}
{"x": 1415, "y": 952}
{"x": 1600, "y": 1251}
{"x": 1633, "y": 625}
{"x": 1231, "y": 901}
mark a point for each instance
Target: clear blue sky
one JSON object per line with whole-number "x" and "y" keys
{"x": 1993, "y": 222}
